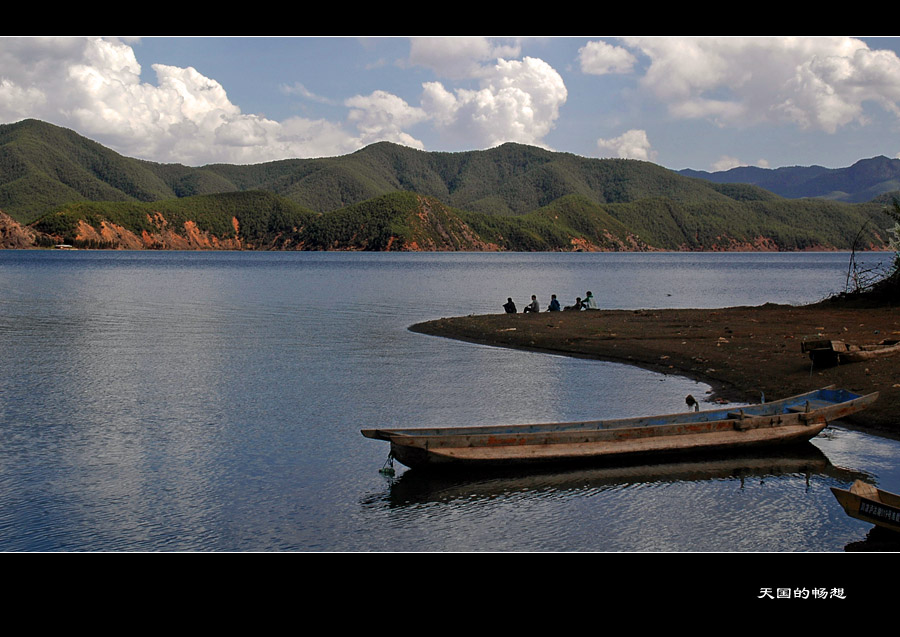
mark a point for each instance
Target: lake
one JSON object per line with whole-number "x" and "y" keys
{"x": 212, "y": 401}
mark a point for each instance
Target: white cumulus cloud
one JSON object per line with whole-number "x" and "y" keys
{"x": 517, "y": 100}
{"x": 602, "y": 58}
{"x": 726, "y": 162}
{"x": 813, "y": 82}
{"x": 459, "y": 57}
{"x": 93, "y": 86}
{"x": 382, "y": 116}
{"x": 633, "y": 144}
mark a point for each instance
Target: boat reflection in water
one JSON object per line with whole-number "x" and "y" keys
{"x": 772, "y": 500}
{"x": 418, "y": 487}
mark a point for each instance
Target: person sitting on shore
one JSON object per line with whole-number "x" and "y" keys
{"x": 533, "y": 306}
{"x": 509, "y": 306}
{"x": 554, "y": 304}
{"x": 575, "y": 307}
{"x": 589, "y": 303}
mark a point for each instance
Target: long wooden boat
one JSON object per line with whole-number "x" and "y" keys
{"x": 791, "y": 420}
{"x": 868, "y": 503}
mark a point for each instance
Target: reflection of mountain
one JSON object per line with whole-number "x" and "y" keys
{"x": 414, "y": 487}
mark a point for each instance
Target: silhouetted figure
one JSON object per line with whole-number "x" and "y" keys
{"x": 692, "y": 403}
{"x": 554, "y": 304}
{"x": 509, "y": 306}
{"x": 575, "y": 307}
{"x": 533, "y": 306}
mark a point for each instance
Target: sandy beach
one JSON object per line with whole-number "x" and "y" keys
{"x": 741, "y": 352}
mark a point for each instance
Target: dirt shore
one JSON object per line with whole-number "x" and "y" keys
{"x": 740, "y": 352}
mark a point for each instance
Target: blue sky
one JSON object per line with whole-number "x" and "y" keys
{"x": 708, "y": 103}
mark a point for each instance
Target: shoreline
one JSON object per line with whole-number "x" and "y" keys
{"x": 740, "y": 352}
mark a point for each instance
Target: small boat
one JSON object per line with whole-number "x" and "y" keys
{"x": 791, "y": 420}
{"x": 824, "y": 352}
{"x": 868, "y": 503}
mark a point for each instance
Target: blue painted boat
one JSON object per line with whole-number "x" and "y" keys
{"x": 791, "y": 420}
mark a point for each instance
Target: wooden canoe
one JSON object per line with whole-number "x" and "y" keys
{"x": 791, "y": 420}
{"x": 870, "y": 504}
{"x": 824, "y": 352}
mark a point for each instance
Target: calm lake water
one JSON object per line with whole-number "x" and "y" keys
{"x": 212, "y": 401}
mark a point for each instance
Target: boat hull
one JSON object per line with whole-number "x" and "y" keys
{"x": 595, "y": 450}
{"x": 875, "y": 506}
{"x": 824, "y": 352}
{"x": 789, "y": 421}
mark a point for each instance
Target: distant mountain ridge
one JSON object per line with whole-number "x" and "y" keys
{"x": 60, "y": 187}
{"x": 863, "y": 181}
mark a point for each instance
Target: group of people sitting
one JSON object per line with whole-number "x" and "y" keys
{"x": 587, "y": 303}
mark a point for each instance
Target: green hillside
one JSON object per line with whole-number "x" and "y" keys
{"x": 397, "y": 221}
{"x": 662, "y": 224}
{"x": 409, "y": 221}
{"x": 262, "y": 218}
{"x": 42, "y": 166}
{"x": 386, "y": 196}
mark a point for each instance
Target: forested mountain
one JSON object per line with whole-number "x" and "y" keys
{"x": 389, "y": 197}
{"x": 43, "y": 166}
